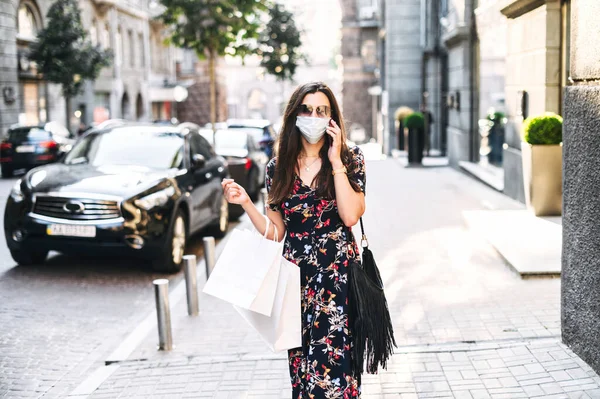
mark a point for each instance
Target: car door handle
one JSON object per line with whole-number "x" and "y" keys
{"x": 208, "y": 176}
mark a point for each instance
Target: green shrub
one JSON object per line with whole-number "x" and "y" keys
{"x": 415, "y": 121}
{"x": 543, "y": 129}
{"x": 496, "y": 116}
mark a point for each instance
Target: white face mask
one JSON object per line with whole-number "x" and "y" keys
{"x": 312, "y": 129}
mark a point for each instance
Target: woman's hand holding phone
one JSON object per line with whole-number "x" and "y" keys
{"x": 335, "y": 144}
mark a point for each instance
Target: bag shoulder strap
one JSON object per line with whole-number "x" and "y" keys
{"x": 364, "y": 240}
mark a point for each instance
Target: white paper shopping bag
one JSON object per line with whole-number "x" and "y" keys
{"x": 246, "y": 272}
{"x": 283, "y": 329}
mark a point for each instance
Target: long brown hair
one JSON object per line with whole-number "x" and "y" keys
{"x": 289, "y": 146}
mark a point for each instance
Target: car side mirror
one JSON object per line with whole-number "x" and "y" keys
{"x": 198, "y": 161}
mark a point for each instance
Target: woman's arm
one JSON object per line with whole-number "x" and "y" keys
{"x": 259, "y": 222}
{"x": 235, "y": 194}
{"x": 351, "y": 204}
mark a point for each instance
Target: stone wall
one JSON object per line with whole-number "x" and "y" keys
{"x": 403, "y": 58}
{"x": 492, "y": 36}
{"x": 581, "y": 185}
{"x": 461, "y": 55}
{"x": 196, "y": 108}
{"x": 532, "y": 65}
{"x": 9, "y": 82}
{"x": 356, "y": 99}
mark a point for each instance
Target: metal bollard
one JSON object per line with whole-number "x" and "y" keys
{"x": 191, "y": 285}
{"x": 209, "y": 254}
{"x": 163, "y": 314}
{"x": 263, "y": 197}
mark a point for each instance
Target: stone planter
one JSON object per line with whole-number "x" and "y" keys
{"x": 542, "y": 177}
{"x": 416, "y": 144}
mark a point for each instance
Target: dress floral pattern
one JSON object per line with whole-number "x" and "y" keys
{"x": 315, "y": 242}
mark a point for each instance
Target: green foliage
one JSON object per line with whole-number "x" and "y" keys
{"x": 279, "y": 44}
{"x": 415, "y": 121}
{"x": 543, "y": 129}
{"x": 63, "y": 53}
{"x": 496, "y": 116}
{"x": 213, "y": 27}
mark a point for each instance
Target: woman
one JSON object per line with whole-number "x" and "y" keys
{"x": 316, "y": 188}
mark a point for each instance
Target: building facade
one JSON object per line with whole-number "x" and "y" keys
{"x": 580, "y": 305}
{"x": 137, "y": 86}
{"x": 475, "y": 58}
{"x": 362, "y": 63}
{"x": 252, "y": 93}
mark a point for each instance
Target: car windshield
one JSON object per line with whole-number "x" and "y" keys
{"x": 255, "y": 132}
{"x": 160, "y": 150}
{"x": 230, "y": 139}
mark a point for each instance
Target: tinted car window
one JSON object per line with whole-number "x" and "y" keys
{"x": 149, "y": 149}
{"x": 199, "y": 145}
{"x": 28, "y": 133}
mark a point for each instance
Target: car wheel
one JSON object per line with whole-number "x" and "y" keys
{"x": 219, "y": 229}
{"x": 7, "y": 171}
{"x": 172, "y": 259}
{"x": 28, "y": 257}
{"x": 253, "y": 186}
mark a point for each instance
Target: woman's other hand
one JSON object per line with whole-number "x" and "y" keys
{"x": 234, "y": 193}
{"x": 335, "y": 148}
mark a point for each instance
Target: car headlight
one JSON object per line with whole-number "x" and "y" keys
{"x": 158, "y": 198}
{"x": 16, "y": 194}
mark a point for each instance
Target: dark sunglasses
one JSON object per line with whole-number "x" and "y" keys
{"x": 323, "y": 111}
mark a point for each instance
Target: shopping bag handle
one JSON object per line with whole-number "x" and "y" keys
{"x": 267, "y": 226}
{"x": 267, "y": 229}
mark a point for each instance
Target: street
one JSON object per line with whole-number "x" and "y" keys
{"x": 466, "y": 325}
{"x": 60, "y": 319}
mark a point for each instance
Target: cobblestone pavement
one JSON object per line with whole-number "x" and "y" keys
{"x": 56, "y": 322}
{"x": 466, "y": 325}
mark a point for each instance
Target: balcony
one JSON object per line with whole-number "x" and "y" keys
{"x": 368, "y": 17}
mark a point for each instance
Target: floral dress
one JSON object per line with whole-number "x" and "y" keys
{"x": 316, "y": 242}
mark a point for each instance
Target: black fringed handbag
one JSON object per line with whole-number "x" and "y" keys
{"x": 370, "y": 321}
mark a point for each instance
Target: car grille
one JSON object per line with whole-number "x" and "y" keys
{"x": 93, "y": 209}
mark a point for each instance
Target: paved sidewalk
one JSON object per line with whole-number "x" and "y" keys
{"x": 467, "y": 326}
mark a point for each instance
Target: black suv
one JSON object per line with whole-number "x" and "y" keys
{"x": 133, "y": 189}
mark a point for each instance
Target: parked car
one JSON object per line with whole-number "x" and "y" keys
{"x": 247, "y": 162}
{"x": 132, "y": 190}
{"x": 30, "y": 146}
{"x": 262, "y": 129}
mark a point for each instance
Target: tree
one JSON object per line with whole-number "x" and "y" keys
{"x": 279, "y": 44}
{"x": 64, "y": 54}
{"x": 213, "y": 28}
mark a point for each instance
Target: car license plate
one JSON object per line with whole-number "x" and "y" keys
{"x": 71, "y": 230}
{"x": 26, "y": 148}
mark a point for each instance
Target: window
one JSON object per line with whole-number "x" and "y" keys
{"x": 119, "y": 48}
{"x": 32, "y": 103}
{"x": 26, "y": 23}
{"x": 105, "y": 37}
{"x": 131, "y": 44}
{"x": 152, "y": 149}
{"x": 94, "y": 33}
{"x": 443, "y": 8}
{"x": 199, "y": 145}
{"x": 142, "y": 49}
